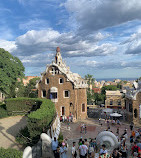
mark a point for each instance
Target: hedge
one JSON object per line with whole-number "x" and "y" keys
{"x": 10, "y": 153}
{"x": 17, "y": 106}
{"x": 41, "y": 116}
{"x": 41, "y": 119}
{"x": 3, "y": 111}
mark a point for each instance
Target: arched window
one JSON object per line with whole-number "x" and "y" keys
{"x": 83, "y": 107}
{"x": 111, "y": 102}
{"x": 135, "y": 113}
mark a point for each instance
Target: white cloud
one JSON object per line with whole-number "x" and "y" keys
{"x": 35, "y": 42}
{"x": 110, "y": 64}
{"x": 8, "y": 45}
{"x": 133, "y": 43}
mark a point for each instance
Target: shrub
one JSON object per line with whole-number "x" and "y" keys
{"x": 22, "y": 137}
{"x": 17, "y": 106}
{"x": 10, "y": 153}
{"x": 60, "y": 138}
{"x": 3, "y": 111}
{"x": 41, "y": 118}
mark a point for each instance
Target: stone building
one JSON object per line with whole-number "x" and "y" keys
{"x": 114, "y": 100}
{"x": 66, "y": 89}
{"x": 133, "y": 102}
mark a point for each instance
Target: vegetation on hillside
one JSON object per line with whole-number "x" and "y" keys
{"x": 11, "y": 68}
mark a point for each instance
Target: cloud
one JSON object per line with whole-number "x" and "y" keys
{"x": 133, "y": 43}
{"x": 8, "y": 45}
{"x": 34, "y": 24}
{"x": 110, "y": 64}
{"x": 93, "y": 15}
{"x": 35, "y": 42}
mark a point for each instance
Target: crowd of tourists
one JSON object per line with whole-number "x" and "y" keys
{"x": 130, "y": 145}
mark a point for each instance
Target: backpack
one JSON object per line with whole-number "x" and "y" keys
{"x": 136, "y": 149}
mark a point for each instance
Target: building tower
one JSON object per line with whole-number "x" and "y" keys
{"x": 58, "y": 58}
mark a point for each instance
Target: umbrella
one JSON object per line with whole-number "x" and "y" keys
{"x": 115, "y": 114}
{"x": 108, "y": 110}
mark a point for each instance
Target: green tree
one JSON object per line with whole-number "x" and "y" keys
{"x": 90, "y": 79}
{"x": 30, "y": 89}
{"x": 11, "y": 68}
{"x": 109, "y": 87}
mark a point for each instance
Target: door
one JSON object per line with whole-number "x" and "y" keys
{"x": 63, "y": 110}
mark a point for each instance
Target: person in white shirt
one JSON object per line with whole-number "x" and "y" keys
{"x": 63, "y": 151}
{"x": 103, "y": 150}
{"x": 83, "y": 150}
{"x": 73, "y": 151}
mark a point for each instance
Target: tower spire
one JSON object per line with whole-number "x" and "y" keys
{"x": 58, "y": 58}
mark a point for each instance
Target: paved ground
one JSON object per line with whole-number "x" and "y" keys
{"x": 72, "y": 132}
{"x": 9, "y": 127}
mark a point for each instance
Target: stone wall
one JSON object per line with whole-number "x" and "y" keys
{"x": 71, "y": 104}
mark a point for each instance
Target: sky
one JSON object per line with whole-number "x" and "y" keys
{"x": 97, "y": 37}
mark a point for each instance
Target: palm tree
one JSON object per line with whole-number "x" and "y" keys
{"x": 90, "y": 79}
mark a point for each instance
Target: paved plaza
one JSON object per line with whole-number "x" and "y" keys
{"x": 72, "y": 131}
{"x": 9, "y": 128}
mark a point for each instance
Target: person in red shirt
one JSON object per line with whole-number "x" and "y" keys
{"x": 135, "y": 150}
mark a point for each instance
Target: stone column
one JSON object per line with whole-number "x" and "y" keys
{"x": 27, "y": 152}
{"x": 46, "y": 146}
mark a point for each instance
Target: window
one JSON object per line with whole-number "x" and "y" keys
{"x": 119, "y": 102}
{"x": 53, "y": 95}
{"x": 66, "y": 94}
{"x": 111, "y": 102}
{"x": 135, "y": 113}
{"x": 47, "y": 81}
{"x": 83, "y": 107}
{"x": 61, "y": 80}
{"x": 130, "y": 107}
{"x": 43, "y": 93}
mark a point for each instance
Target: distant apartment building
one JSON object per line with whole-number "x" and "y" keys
{"x": 27, "y": 79}
{"x": 114, "y": 100}
{"x": 133, "y": 102}
{"x": 66, "y": 89}
{"x": 97, "y": 90}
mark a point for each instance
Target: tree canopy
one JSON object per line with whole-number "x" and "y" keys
{"x": 30, "y": 89}
{"x": 11, "y": 68}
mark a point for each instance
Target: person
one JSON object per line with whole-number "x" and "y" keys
{"x": 137, "y": 134}
{"x": 117, "y": 131}
{"x": 99, "y": 120}
{"x": 124, "y": 151}
{"x": 58, "y": 153}
{"x": 139, "y": 144}
{"x": 118, "y": 122}
{"x": 83, "y": 150}
{"x": 131, "y": 126}
{"x": 91, "y": 149}
{"x": 86, "y": 143}
{"x": 73, "y": 150}
{"x": 103, "y": 150}
{"x": 63, "y": 151}
{"x": 54, "y": 146}
{"x": 131, "y": 139}
{"x": 85, "y": 129}
{"x": 133, "y": 133}
{"x": 135, "y": 149}
{"x": 116, "y": 154}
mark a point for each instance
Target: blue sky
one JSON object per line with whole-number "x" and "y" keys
{"x": 99, "y": 37}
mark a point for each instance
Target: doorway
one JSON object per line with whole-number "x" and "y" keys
{"x": 63, "y": 110}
